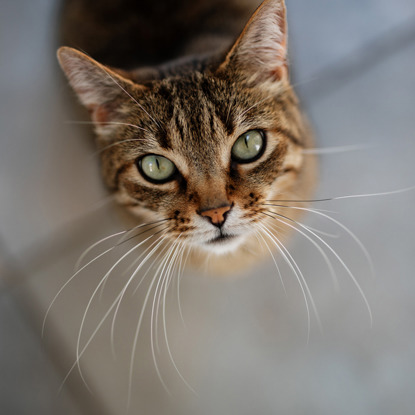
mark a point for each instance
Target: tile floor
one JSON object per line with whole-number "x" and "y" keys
{"x": 244, "y": 347}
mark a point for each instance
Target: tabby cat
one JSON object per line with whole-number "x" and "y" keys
{"x": 199, "y": 133}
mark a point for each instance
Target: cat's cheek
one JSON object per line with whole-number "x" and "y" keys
{"x": 283, "y": 186}
{"x": 134, "y": 207}
{"x": 123, "y": 198}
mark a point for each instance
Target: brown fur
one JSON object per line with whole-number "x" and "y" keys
{"x": 192, "y": 111}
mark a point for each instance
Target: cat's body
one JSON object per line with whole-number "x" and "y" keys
{"x": 128, "y": 34}
{"x": 171, "y": 134}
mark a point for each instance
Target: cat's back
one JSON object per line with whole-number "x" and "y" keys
{"x": 131, "y": 33}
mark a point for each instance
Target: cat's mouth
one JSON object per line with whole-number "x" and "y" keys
{"x": 223, "y": 243}
{"x": 221, "y": 239}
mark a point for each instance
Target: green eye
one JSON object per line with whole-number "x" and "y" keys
{"x": 156, "y": 168}
{"x": 248, "y": 147}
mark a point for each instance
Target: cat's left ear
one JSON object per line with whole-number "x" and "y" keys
{"x": 101, "y": 89}
{"x": 260, "y": 53}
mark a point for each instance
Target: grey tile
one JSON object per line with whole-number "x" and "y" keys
{"x": 29, "y": 383}
{"x": 45, "y": 163}
{"x": 3, "y": 273}
{"x": 323, "y": 32}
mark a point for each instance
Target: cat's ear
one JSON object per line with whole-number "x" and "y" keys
{"x": 100, "y": 89}
{"x": 260, "y": 53}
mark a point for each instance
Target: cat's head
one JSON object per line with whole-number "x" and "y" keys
{"x": 200, "y": 144}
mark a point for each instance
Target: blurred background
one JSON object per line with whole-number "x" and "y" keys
{"x": 244, "y": 345}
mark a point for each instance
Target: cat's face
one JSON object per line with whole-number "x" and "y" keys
{"x": 207, "y": 154}
{"x": 203, "y": 149}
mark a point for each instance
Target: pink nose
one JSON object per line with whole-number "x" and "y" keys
{"x": 217, "y": 216}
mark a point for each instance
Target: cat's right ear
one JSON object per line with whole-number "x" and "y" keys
{"x": 259, "y": 55}
{"x": 100, "y": 89}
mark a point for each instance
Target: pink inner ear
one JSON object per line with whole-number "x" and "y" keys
{"x": 99, "y": 114}
{"x": 280, "y": 72}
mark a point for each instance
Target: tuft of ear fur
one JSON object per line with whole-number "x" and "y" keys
{"x": 99, "y": 88}
{"x": 259, "y": 54}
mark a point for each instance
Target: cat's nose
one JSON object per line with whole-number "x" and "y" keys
{"x": 218, "y": 215}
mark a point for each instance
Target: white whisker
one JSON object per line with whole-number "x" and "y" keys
{"x": 156, "y": 259}
{"x": 137, "y": 331}
{"x": 275, "y": 262}
{"x": 86, "y": 252}
{"x": 300, "y": 278}
{"x": 253, "y": 106}
{"x": 170, "y": 273}
{"x": 323, "y": 233}
{"x": 87, "y": 264}
{"x": 328, "y": 199}
{"x": 152, "y": 250}
{"x": 160, "y": 277}
{"x": 393, "y": 192}
{"x": 323, "y": 254}
{"x": 94, "y": 294}
{"x": 347, "y": 230}
{"x": 68, "y": 282}
{"x": 334, "y": 150}
{"x": 122, "y": 241}
{"x": 91, "y": 337}
{"x": 160, "y": 286}
{"x": 132, "y": 98}
{"x": 347, "y": 269}
{"x": 179, "y": 278}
